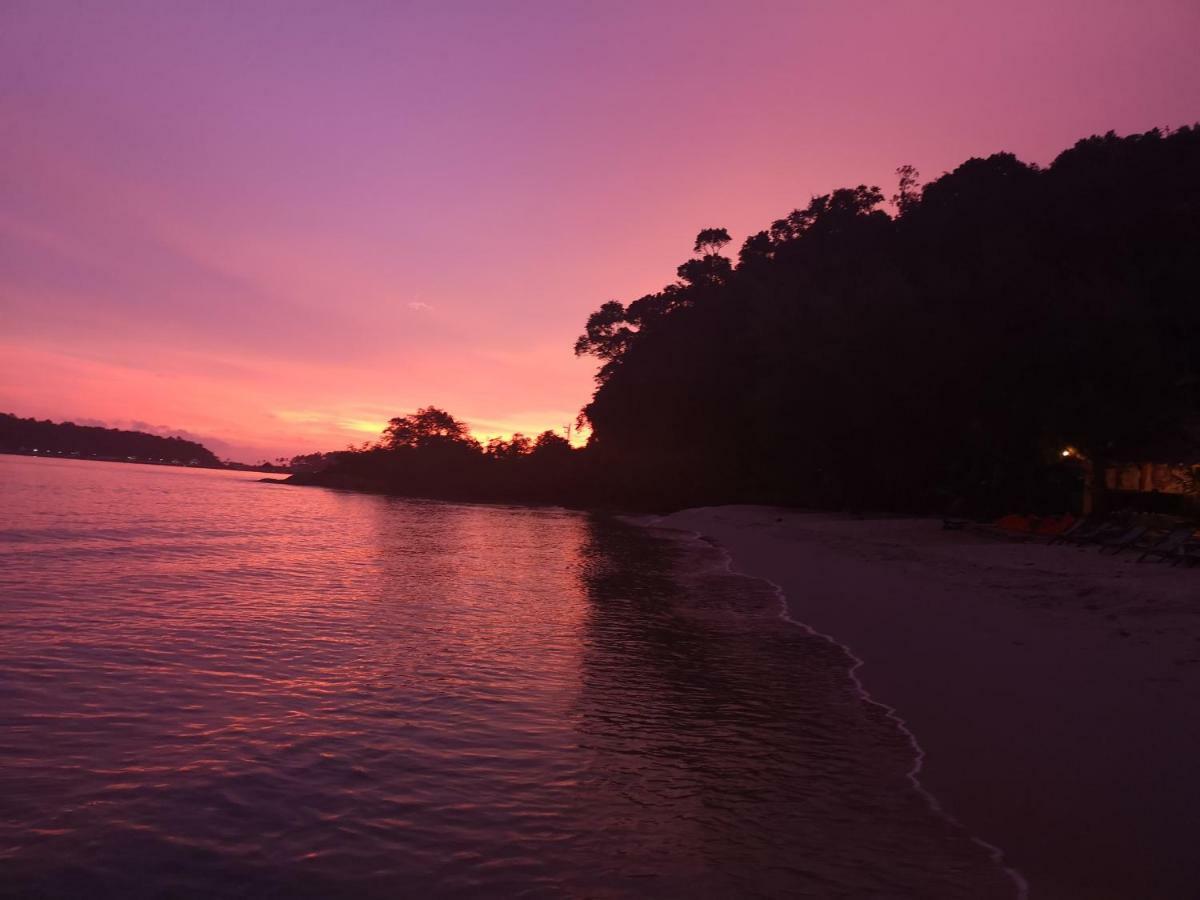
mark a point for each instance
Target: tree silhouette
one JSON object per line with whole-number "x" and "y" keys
{"x": 427, "y": 426}
{"x": 852, "y": 358}
{"x": 606, "y": 334}
{"x": 856, "y": 359}
{"x": 551, "y": 443}
{"x": 517, "y": 446}
{"x": 710, "y": 241}
{"x": 908, "y": 189}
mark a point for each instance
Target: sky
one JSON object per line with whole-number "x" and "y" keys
{"x": 274, "y": 226}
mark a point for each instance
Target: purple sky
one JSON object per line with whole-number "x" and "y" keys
{"x": 275, "y": 225}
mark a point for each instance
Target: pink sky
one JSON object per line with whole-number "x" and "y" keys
{"x": 276, "y": 225}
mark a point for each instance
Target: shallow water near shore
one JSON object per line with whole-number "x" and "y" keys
{"x": 213, "y": 687}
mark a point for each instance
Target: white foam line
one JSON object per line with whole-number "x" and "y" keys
{"x": 996, "y": 854}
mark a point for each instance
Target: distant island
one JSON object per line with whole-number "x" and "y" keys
{"x": 36, "y": 437}
{"x": 1005, "y": 337}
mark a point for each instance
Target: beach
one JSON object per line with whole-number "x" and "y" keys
{"x": 1052, "y": 691}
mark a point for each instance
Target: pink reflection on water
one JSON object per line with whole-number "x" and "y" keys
{"x": 312, "y": 693}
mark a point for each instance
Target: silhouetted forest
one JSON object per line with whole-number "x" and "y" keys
{"x": 432, "y": 454}
{"x": 92, "y": 442}
{"x": 935, "y": 348}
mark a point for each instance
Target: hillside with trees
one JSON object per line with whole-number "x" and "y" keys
{"x": 936, "y": 348}
{"x": 46, "y": 438}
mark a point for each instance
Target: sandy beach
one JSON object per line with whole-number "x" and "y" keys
{"x": 1054, "y": 691}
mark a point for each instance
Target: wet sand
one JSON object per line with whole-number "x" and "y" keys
{"x": 1054, "y": 691}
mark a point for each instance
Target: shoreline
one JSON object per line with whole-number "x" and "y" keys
{"x": 913, "y": 775}
{"x": 973, "y": 643}
{"x": 158, "y": 464}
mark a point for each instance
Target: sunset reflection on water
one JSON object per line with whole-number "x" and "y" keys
{"x": 214, "y": 687}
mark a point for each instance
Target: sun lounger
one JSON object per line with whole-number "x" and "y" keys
{"x": 953, "y": 524}
{"x": 1010, "y": 528}
{"x": 1115, "y": 545}
{"x": 1188, "y": 554}
{"x": 1082, "y": 527}
{"x": 1093, "y": 535}
{"x": 1169, "y": 544}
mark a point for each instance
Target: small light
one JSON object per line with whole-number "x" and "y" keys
{"x": 1066, "y": 453}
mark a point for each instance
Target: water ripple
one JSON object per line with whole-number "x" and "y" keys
{"x": 215, "y": 688}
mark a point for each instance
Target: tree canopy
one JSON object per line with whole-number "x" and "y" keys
{"x": 937, "y": 350}
{"x": 856, "y": 358}
{"x": 428, "y": 426}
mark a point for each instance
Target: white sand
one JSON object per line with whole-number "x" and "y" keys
{"x": 1055, "y": 691}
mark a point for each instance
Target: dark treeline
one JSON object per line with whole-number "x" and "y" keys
{"x": 88, "y": 441}
{"x": 939, "y": 354}
{"x": 432, "y": 454}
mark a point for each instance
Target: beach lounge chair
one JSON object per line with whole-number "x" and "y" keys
{"x": 1188, "y": 554}
{"x": 1169, "y": 544}
{"x": 1115, "y": 545}
{"x": 1099, "y": 531}
{"x": 950, "y": 523}
{"x": 1081, "y": 527}
{"x": 1010, "y": 528}
{"x": 1017, "y": 524}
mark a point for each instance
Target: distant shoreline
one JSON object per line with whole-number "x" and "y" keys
{"x": 1053, "y": 690}
{"x": 569, "y": 499}
{"x": 237, "y": 467}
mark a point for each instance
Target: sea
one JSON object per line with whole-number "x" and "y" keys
{"x": 216, "y": 687}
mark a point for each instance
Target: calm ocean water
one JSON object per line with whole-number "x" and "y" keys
{"x": 211, "y": 687}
